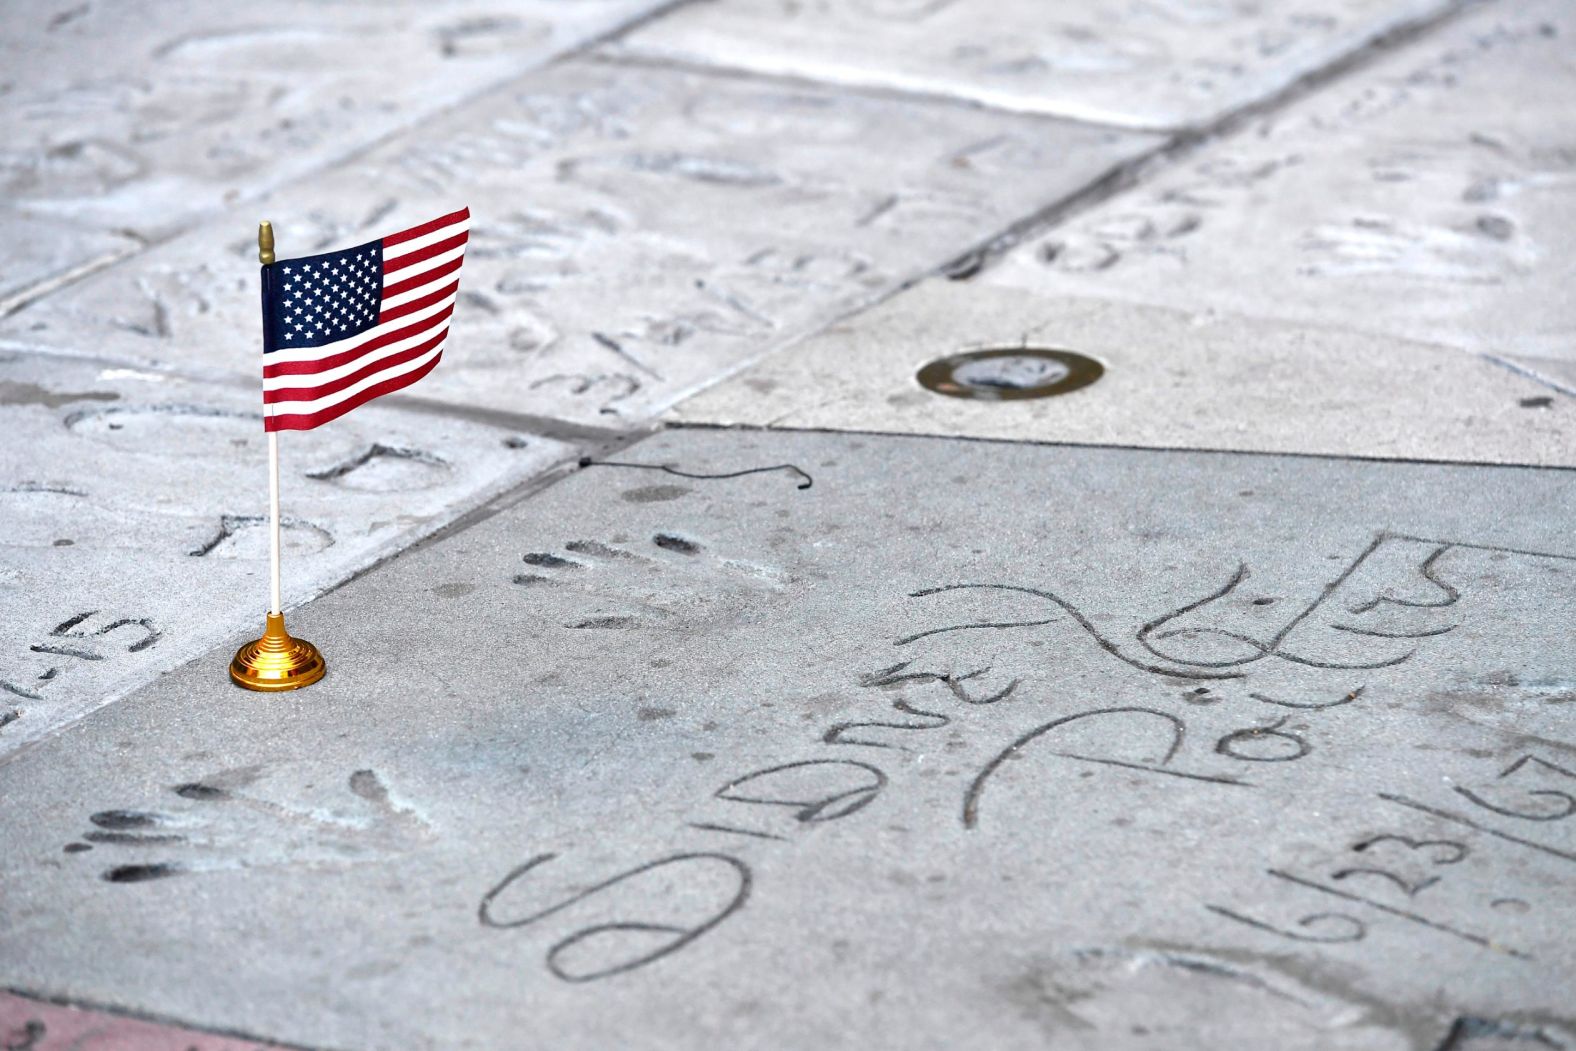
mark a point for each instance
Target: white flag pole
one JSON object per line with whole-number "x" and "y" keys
{"x": 273, "y": 516}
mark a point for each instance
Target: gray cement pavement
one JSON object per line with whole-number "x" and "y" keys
{"x": 1427, "y": 197}
{"x": 122, "y": 124}
{"x": 1151, "y": 65}
{"x": 1172, "y": 380}
{"x": 698, "y": 679}
{"x": 967, "y": 744}
{"x": 638, "y": 232}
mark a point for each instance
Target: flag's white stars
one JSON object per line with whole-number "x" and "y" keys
{"x": 331, "y": 296}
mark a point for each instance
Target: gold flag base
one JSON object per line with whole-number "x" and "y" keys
{"x": 276, "y": 661}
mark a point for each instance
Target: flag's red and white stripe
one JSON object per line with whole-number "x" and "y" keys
{"x": 304, "y": 387}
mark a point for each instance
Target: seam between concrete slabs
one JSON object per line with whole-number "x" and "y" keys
{"x": 559, "y": 472}
{"x": 496, "y": 504}
{"x": 1186, "y": 141}
{"x": 1120, "y": 175}
{"x": 1381, "y": 41}
{"x": 689, "y": 425}
{"x": 485, "y": 505}
{"x": 1180, "y": 145}
{"x": 1176, "y": 145}
{"x": 1179, "y": 139}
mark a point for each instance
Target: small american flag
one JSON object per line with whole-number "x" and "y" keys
{"x": 342, "y": 328}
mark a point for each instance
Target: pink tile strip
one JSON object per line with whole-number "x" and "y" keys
{"x": 33, "y": 1025}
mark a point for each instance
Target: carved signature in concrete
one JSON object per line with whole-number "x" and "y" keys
{"x": 1398, "y": 594}
{"x": 1388, "y": 872}
{"x": 88, "y": 636}
{"x": 1384, "y": 604}
{"x": 661, "y": 906}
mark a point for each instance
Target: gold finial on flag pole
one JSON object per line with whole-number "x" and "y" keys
{"x": 265, "y": 242}
{"x": 276, "y": 661}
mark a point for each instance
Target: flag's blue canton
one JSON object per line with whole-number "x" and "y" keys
{"x": 319, "y": 299}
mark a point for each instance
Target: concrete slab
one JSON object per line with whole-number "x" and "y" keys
{"x": 967, "y": 744}
{"x": 1151, "y": 65}
{"x": 1428, "y": 198}
{"x": 636, "y": 232}
{"x": 122, "y": 120}
{"x": 1172, "y": 380}
{"x": 133, "y": 531}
